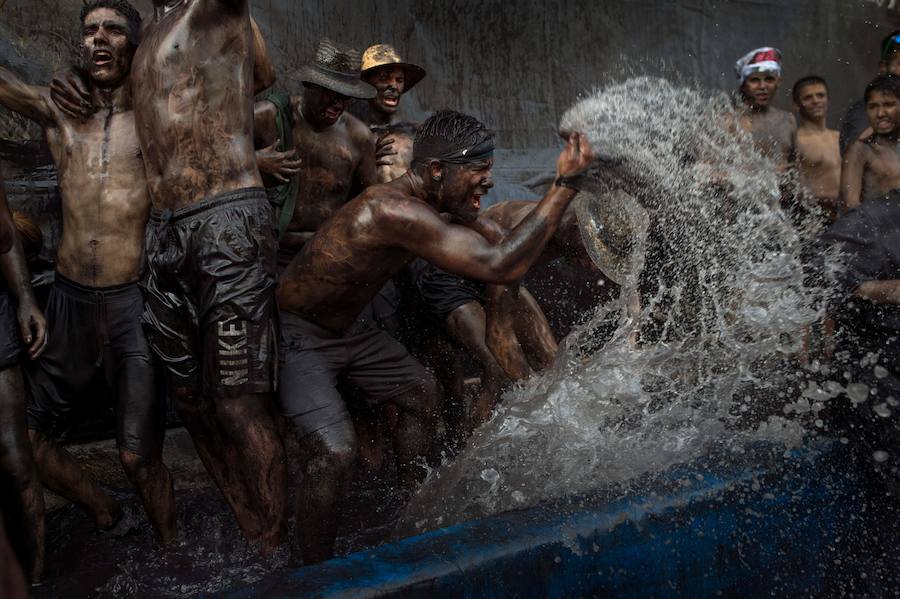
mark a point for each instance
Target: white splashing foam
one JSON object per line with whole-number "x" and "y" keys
{"x": 725, "y": 299}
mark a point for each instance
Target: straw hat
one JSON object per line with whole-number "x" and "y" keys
{"x": 614, "y": 228}
{"x": 382, "y": 55}
{"x": 337, "y": 68}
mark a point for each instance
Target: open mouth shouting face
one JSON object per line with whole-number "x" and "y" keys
{"x": 467, "y": 185}
{"x": 390, "y": 83}
{"x": 106, "y": 50}
{"x": 883, "y": 110}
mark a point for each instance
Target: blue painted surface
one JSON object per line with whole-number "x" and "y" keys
{"x": 700, "y": 531}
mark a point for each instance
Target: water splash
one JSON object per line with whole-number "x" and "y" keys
{"x": 726, "y": 300}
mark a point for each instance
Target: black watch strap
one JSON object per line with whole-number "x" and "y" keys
{"x": 570, "y": 182}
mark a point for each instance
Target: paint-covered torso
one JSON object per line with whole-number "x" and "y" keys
{"x": 105, "y": 203}
{"x": 193, "y": 95}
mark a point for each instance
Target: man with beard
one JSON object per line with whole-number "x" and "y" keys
{"x": 872, "y": 165}
{"x": 817, "y": 146}
{"x": 341, "y": 269}
{"x": 383, "y": 68}
{"x": 21, "y": 494}
{"x": 95, "y": 304}
{"x": 772, "y": 129}
{"x": 335, "y": 152}
{"x": 211, "y": 249}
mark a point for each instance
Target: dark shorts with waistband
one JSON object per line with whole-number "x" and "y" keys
{"x": 10, "y": 339}
{"x": 211, "y": 294}
{"x": 95, "y": 333}
{"x": 440, "y": 292}
{"x": 315, "y": 359}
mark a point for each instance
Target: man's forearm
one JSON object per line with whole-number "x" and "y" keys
{"x": 527, "y": 240}
{"x": 881, "y": 292}
{"x": 15, "y": 272}
{"x": 27, "y": 100}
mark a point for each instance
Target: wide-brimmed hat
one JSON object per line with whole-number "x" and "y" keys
{"x": 383, "y": 55}
{"x": 337, "y": 68}
{"x": 614, "y": 228}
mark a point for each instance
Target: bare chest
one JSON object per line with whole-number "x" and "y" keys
{"x": 819, "y": 152}
{"x": 772, "y": 133}
{"x": 329, "y": 165}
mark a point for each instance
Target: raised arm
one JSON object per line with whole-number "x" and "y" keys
{"x": 263, "y": 69}
{"x": 852, "y": 176}
{"x": 458, "y": 250}
{"x": 28, "y": 100}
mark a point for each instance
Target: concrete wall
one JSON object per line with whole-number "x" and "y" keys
{"x": 518, "y": 65}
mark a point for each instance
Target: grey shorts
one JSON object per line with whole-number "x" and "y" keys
{"x": 313, "y": 359}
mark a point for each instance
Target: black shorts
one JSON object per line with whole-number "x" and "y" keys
{"x": 441, "y": 293}
{"x": 10, "y": 339}
{"x": 211, "y": 294}
{"x": 313, "y": 358}
{"x": 95, "y": 333}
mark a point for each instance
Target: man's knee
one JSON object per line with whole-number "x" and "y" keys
{"x": 133, "y": 463}
{"x": 333, "y": 448}
{"x": 424, "y": 395}
{"x": 240, "y": 411}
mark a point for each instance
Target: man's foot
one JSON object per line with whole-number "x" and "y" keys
{"x": 110, "y": 517}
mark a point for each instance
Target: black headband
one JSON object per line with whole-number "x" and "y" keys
{"x": 478, "y": 152}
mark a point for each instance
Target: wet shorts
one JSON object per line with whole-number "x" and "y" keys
{"x": 314, "y": 358}
{"x": 10, "y": 340}
{"x": 95, "y": 333}
{"x": 211, "y": 294}
{"x": 441, "y": 292}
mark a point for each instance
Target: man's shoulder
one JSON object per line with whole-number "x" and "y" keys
{"x": 387, "y": 202}
{"x": 358, "y": 131}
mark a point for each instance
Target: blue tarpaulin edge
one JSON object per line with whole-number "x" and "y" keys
{"x": 706, "y": 531}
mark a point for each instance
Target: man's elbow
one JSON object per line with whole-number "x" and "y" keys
{"x": 503, "y": 274}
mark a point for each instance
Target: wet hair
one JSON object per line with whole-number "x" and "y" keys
{"x": 803, "y": 82}
{"x": 889, "y": 45}
{"x": 886, "y": 84}
{"x": 447, "y": 131}
{"x": 131, "y": 14}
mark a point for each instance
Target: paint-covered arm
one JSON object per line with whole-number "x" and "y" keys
{"x": 32, "y": 324}
{"x": 28, "y": 100}
{"x": 852, "y": 176}
{"x": 880, "y": 292}
{"x": 263, "y": 69}
{"x": 459, "y": 250}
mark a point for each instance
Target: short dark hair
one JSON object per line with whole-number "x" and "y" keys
{"x": 131, "y": 14}
{"x": 888, "y": 84}
{"x": 445, "y": 130}
{"x": 889, "y": 45}
{"x": 803, "y": 82}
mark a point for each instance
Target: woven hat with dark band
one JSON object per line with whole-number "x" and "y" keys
{"x": 384, "y": 55}
{"x": 337, "y": 68}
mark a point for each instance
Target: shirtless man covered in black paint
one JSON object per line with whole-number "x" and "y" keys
{"x": 345, "y": 264}
{"x": 95, "y": 304}
{"x": 212, "y": 247}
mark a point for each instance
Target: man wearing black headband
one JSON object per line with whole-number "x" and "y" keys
{"x": 855, "y": 124}
{"x": 344, "y": 265}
